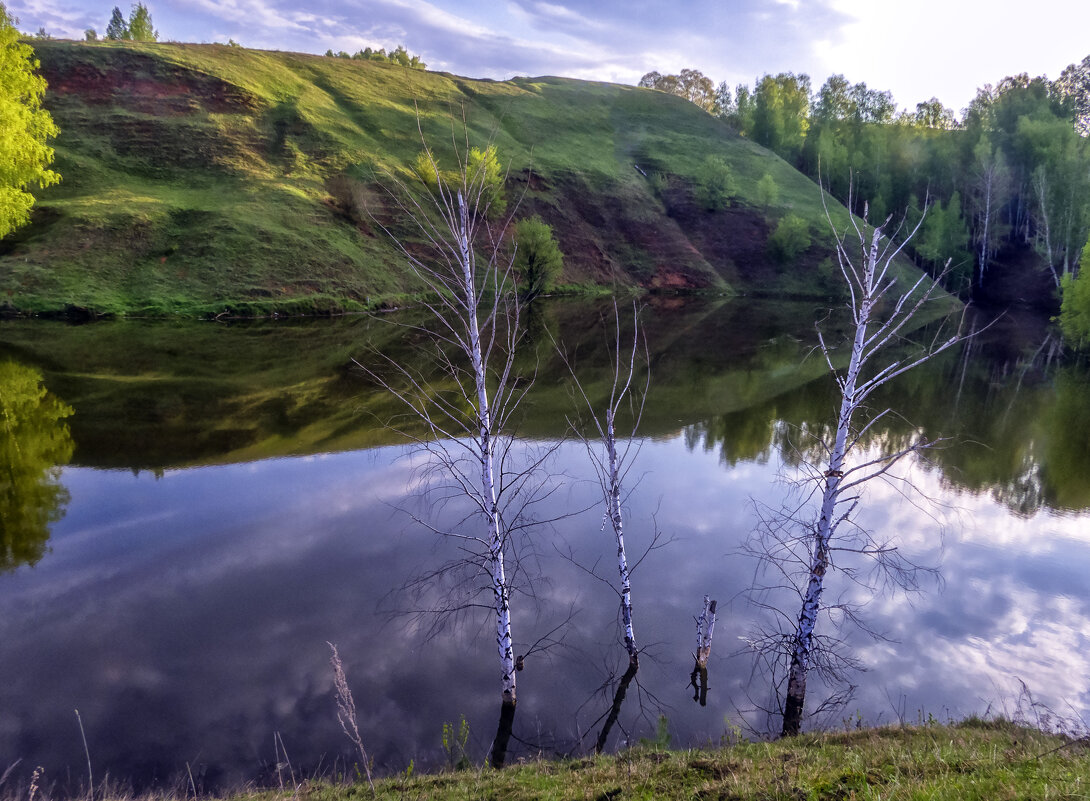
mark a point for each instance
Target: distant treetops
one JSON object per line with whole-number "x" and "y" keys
{"x": 138, "y": 28}
{"x": 1011, "y": 178}
{"x": 399, "y": 56}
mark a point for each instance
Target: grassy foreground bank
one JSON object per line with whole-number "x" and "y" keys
{"x": 974, "y": 759}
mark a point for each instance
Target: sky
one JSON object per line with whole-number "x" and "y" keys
{"x": 918, "y": 50}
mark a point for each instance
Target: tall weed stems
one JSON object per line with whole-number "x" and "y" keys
{"x": 346, "y": 711}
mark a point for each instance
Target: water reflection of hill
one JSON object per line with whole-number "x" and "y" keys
{"x": 156, "y": 395}
{"x": 1015, "y": 424}
{"x": 736, "y": 375}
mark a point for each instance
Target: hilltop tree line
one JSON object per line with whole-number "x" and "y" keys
{"x": 398, "y": 56}
{"x": 138, "y": 28}
{"x": 1010, "y": 178}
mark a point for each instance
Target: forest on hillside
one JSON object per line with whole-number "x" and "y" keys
{"x": 1007, "y": 183}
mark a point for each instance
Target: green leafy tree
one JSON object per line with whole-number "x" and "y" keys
{"x": 944, "y": 235}
{"x": 693, "y": 85}
{"x": 34, "y": 441}
{"x": 790, "y": 239}
{"x": 90, "y": 35}
{"x": 117, "y": 30}
{"x": 538, "y": 260}
{"x": 724, "y": 103}
{"x": 140, "y": 27}
{"x": 717, "y": 185}
{"x": 781, "y": 113}
{"x": 741, "y": 116}
{"x": 1075, "y": 307}
{"x": 402, "y": 57}
{"x": 768, "y": 193}
{"x": 484, "y": 165}
{"x": 481, "y": 166}
{"x": 933, "y": 114}
{"x": 427, "y": 170}
{"x": 399, "y": 56}
{"x": 1073, "y": 86}
{"x": 25, "y": 129}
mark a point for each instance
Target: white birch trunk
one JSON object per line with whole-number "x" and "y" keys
{"x": 475, "y": 314}
{"x": 868, "y": 283}
{"x": 618, "y": 530}
{"x": 500, "y": 590}
{"x": 989, "y": 181}
{"x": 705, "y": 629}
{"x": 1040, "y": 187}
{"x": 803, "y": 645}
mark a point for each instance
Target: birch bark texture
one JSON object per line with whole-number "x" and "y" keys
{"x": 705, "y": 630}
{"x": 611, "y": 461}
{"x": 473, "y": 328}
{"x": 881, "y": 307}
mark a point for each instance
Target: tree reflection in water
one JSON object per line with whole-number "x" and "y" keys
{"x": 34, "y": 442}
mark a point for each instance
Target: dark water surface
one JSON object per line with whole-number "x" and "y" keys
{"x": 230, "y": 502}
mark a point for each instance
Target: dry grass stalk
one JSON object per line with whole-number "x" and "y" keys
{"x": 346, "y": 711}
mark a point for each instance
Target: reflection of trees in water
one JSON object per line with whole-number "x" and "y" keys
{"x": 34, "y": 441}
{"x": 1066, "y": 463}
{"x": 1018, "y": 430}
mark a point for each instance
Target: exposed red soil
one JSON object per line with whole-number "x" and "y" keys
{"x": 134, "y": 82}
{"x": 612, "y": 233}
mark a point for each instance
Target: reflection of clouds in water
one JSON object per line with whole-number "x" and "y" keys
{"x": 1012, "y": 607}
{"x": 1012, "y": 603}
{"x": 210, "y": 621}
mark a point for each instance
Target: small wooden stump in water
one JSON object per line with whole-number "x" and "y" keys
{"x": 705, "y": 628}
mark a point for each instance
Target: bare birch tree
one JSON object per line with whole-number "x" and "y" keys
{"x": 990, "y": 182}
{"x": 611, "y": 463}
{"x": 473, "y": 328}
{"x": 881, "y": 308}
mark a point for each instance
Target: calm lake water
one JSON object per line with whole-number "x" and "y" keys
{"x": 229, "y": 502}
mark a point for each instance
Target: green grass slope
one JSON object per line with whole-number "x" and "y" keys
{"x": 204, "y": 178}
{"x": 970, "y": 761}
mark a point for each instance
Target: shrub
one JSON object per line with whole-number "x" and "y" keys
{"x": 716, "y": 184}
{"x": 768, "y": 193}
{"x": 1074, "y": 316}
{"x": 538, "y": 259}
{"x": 791, "y": 237}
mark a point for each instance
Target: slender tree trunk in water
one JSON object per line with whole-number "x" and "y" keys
{"x": 475, "y": 311}
{"x": 614, "y": 499}
{"x": 618, "y": 530}
{"x": 500, "y": 590}
{"x": 503, "y": 731}
{"x": 618, "y": 699}
{"x": 705, "y": 630}
{"x": 869, "y": 281}
{"x": 803, "y": 645}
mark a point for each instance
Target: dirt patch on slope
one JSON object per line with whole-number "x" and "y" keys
{"x": 139, "y": 83}
{"x": 615, "y": 231}
{"x": 734, "y": 241}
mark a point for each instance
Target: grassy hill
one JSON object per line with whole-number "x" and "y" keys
{"x": 204, "y": 178}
